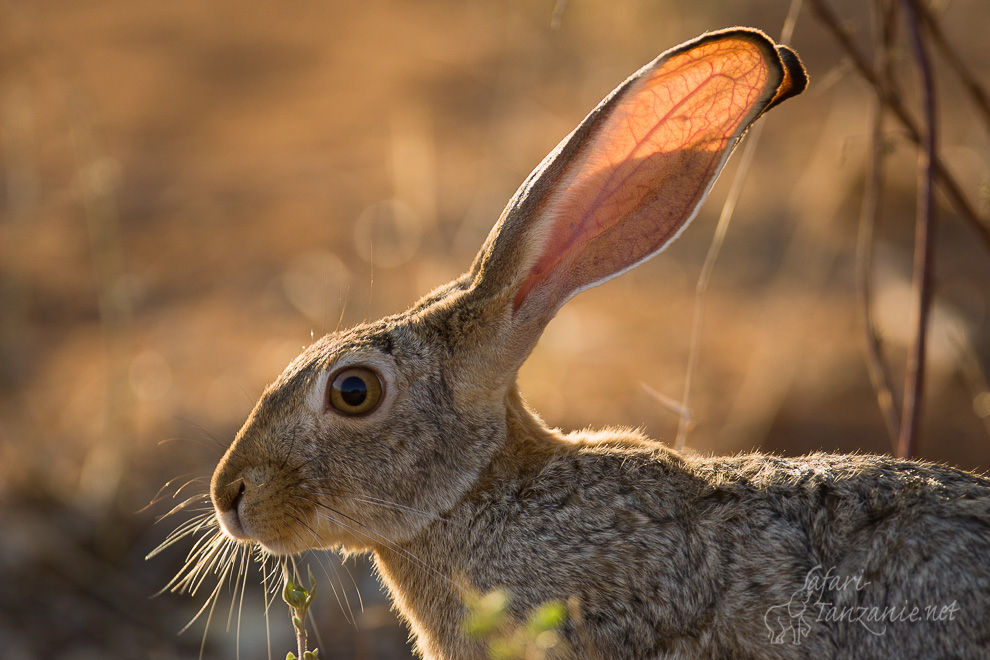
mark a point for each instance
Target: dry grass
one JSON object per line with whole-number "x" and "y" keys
{"x": 192, "y": 189}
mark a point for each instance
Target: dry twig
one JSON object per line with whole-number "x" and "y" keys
{"x": 879, "y": 370}
{"x": 892, "y": 101}
{"x": 924, "y": 242}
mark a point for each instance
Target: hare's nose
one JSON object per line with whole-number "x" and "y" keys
{"x": 225, "y": 493}
{"x": 229, "y": 480}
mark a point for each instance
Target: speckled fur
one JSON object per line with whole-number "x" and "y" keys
{"x": 453, "y": 484}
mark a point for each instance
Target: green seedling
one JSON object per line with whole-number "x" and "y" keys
{"x": 299, "y": 599}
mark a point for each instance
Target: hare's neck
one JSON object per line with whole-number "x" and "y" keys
{"x": 430, "y": 575}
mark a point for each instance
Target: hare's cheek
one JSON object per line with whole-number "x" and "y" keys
{"x": 282, "y": 526}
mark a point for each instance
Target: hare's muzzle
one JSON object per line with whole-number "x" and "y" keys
{"x": 229, "y": 513}
{"x": 257, "y": 502}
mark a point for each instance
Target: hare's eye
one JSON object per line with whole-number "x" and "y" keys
{"x": 355, "y": 391}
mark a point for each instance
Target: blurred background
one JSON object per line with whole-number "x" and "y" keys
{"x": 191, "y": 191}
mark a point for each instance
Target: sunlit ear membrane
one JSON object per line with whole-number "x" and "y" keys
{"x": 646, "y": 159}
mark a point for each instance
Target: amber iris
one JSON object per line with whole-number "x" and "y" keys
{"x": 355, "y": 391}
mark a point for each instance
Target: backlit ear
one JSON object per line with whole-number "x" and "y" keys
{"x": 628, "y": 180}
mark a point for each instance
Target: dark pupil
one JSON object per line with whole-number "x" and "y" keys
{"x": 353, "y": 391}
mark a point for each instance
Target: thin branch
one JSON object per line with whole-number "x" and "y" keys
{"x": 924, "y": 253}
{"x": 949, "y": 186}
{"x": 878, "y": 368}
{"x": 972, "y": 85}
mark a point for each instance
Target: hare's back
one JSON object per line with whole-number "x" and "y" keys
{"x": 897, "y": 553}
{"x": 843, "y": 505}
{"x": 868, "y": 552}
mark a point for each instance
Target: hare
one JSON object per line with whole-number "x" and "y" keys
{"x": 408, "y": 438}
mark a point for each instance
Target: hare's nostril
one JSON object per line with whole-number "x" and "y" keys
{"x": 238, "y": 497}
{"x": 227, "y": 493}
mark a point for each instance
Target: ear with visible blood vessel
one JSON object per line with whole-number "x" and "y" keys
{"x": 633, "y": 174}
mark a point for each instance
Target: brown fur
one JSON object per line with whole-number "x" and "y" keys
{"x": 454, "y": 484}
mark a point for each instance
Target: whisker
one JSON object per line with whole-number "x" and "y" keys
{"x": 351, "y": 619}
{"x": 210, "y": 602}
{"x": 193, "y": 525}
{"x": 324, "y": 561}
{"x": 203, "y": 511}
{"x": 159, "y": 496}
{"x": 364, "y": 498}
{"x": 245, "y": 562}
{"x": 269, "y": 599}
{"x": 374, "y": 537}
{"x": 214, "y": 443}
{"x": 194, "y": 480}
{"x": 199, "y": 557}
{"x": 345, "y": 606}
{"x": 236, "y": 561}
{"x": 202, "y": 557}
{"x": 215, "y": 555}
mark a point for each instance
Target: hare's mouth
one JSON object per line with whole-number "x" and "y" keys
{"x": 282, "y": 548}
{"x": 245, "y": 526}
{"x": 231, "y": 522}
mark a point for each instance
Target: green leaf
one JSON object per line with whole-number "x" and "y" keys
{"x": 312, "y": 580}
{"x": 288, "y": 589}
{"x": 506, "y": 649}
{"x": 548, "y": 616}
{"x": 487, "y": 614}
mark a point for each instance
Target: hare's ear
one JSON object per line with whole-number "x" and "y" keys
{"x": 632, "y": 175}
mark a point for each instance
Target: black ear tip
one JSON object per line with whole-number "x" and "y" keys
{"x": 794, "y": 79}
{"x": 795, "y": 76}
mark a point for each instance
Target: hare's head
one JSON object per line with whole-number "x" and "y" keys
{"x": 373, "y": 432}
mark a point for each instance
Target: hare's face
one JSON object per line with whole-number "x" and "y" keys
{"x": 363, "y": 440}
